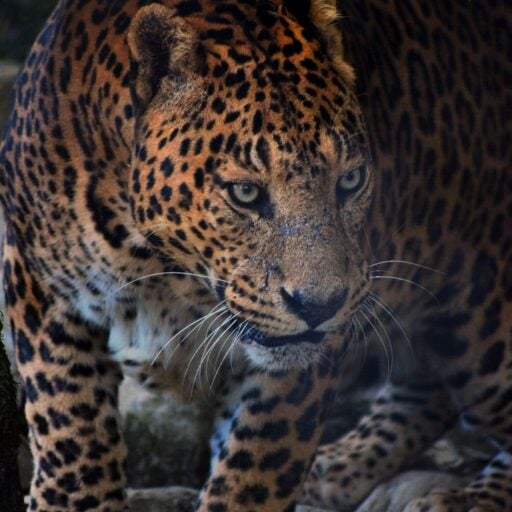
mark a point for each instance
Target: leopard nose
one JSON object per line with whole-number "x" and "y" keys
{"x": 313, "y": 311}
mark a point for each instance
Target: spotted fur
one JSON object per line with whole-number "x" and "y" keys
{"x": 434, "y": 84}
{"x": 126, "y": 250}
{"x": 132, "y": 126}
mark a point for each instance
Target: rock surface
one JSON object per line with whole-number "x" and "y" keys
{"x": 167, "y": 439}
{"x": 394, "y": 495}
{"x": 165, "y": 499}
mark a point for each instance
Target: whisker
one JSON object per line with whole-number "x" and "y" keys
{"x": 198, "y": 326}
{"x": 386, "y": 262}
{"x": 362, "y": 331}
{"x": 239, "y": 335}
{"x": 208, "y": 350}
{"x": 381, "y": 340}
{"x": 166, "y": 344}
{"x": 413, "y": 283}
{"x": 372, "y": 311}
{"x": 217, "y": 314}
{"x": 219, "y": 352}
{"x": 206, "y": 359}
{"x": 220, "y": 365}
{"x": 387, "y": 309}
{"x": 148, "y": 230}
{"x": 355, "y": 338}
{"x": 157, "y": 274}
{"x": 204, "y": 342}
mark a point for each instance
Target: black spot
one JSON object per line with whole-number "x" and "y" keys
{"x": 302, "y": 389}
{"x": 307, "y": 422}
{"x": 52, "y": 497}
{"x": 199, "y": 178}
{"x": 492, "y": 358}
{"x": 186, "y": 200}
{"x": 264, "y": 406}
{"x": 216, "y": 143}
{"x": 70, "y": 178}
{"x": 25, "y": 350}
{"x": 114, "y": 471}
{"x": 242, "y": 460}
{"x": 32, "y": 318}
{"x": 44, "y": 384}
{"x": 287, "y": 482}
{"x": 63, "y": 153}
{"x": 84, "y": 411}
{"x": 188, "y": 7}
{"x": 255, "y": 493}
{"x": 68, "y": 482}
{"x": 30, "y": 390}
{"x": 274, "y": 460}
{"x": 81, "y": 370}
{"x": 262, "y": 150}
{"x": 257, "y": 122}
{"x": 141, "y": 253}
{"x": 69, "y": 449}
{"x": 218, "y": 486}
{"x": 58, "y": 419}
{"x": 60, "y": 337}
{"x": 41, "y": 424}
{"x": 218, "y": 105}
{"x": 167, "y": 167}
{"x": 86, "y": 503}
{"x": 274, "y": 430}
{"x": 483, "y": 279}
{"x": 96, "y": 450}
{"x": 91, "y": 475}
{"x": 441, "y": 335}
{"x": 217, "y": 507}
{"x": 504, "y": 401}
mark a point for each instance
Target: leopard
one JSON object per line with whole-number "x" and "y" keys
{"x": 216, "y": 196}
{"x": 156, "y": 179}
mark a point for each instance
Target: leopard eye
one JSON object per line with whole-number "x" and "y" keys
{"x": 351, "y": 182}
{"x": 245, "y": 194}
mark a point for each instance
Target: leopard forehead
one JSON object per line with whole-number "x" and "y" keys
{"x": 266, "y": 103}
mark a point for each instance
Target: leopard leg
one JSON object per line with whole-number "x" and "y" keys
{"x": 402, "y": 422}
{"x": 71, "y": 400}
{"x": 74, "y": 425}
{"x": 271, "y": 440}
{"x": 484, "y": 394}
{"x": 491, "y": 491}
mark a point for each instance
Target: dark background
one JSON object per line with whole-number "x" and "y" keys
{"x": 20, "y": 21}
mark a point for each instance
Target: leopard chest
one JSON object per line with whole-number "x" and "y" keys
{"x": 164, "y": 331}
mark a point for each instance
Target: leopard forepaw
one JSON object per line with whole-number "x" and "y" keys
{"x": 440, "y": 500}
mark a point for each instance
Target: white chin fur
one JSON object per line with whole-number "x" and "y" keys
{"x": 286, "y": 357}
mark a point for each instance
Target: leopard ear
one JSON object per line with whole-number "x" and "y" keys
{"x": 162, "y": 46}
{"x": 323, "y": 15}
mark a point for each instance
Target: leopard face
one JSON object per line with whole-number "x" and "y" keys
{"x": 250, "y": 166}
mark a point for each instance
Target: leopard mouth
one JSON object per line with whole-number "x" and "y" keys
{"x": 258, "y": 337}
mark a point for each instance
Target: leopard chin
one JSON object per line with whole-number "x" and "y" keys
{"x": 284, "y": 357}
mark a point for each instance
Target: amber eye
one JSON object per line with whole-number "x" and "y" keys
{"x": 351, "y": 182}
{"x": 245, "y": 194}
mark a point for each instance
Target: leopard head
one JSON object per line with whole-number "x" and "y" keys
{"x": 250, "y": 165}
